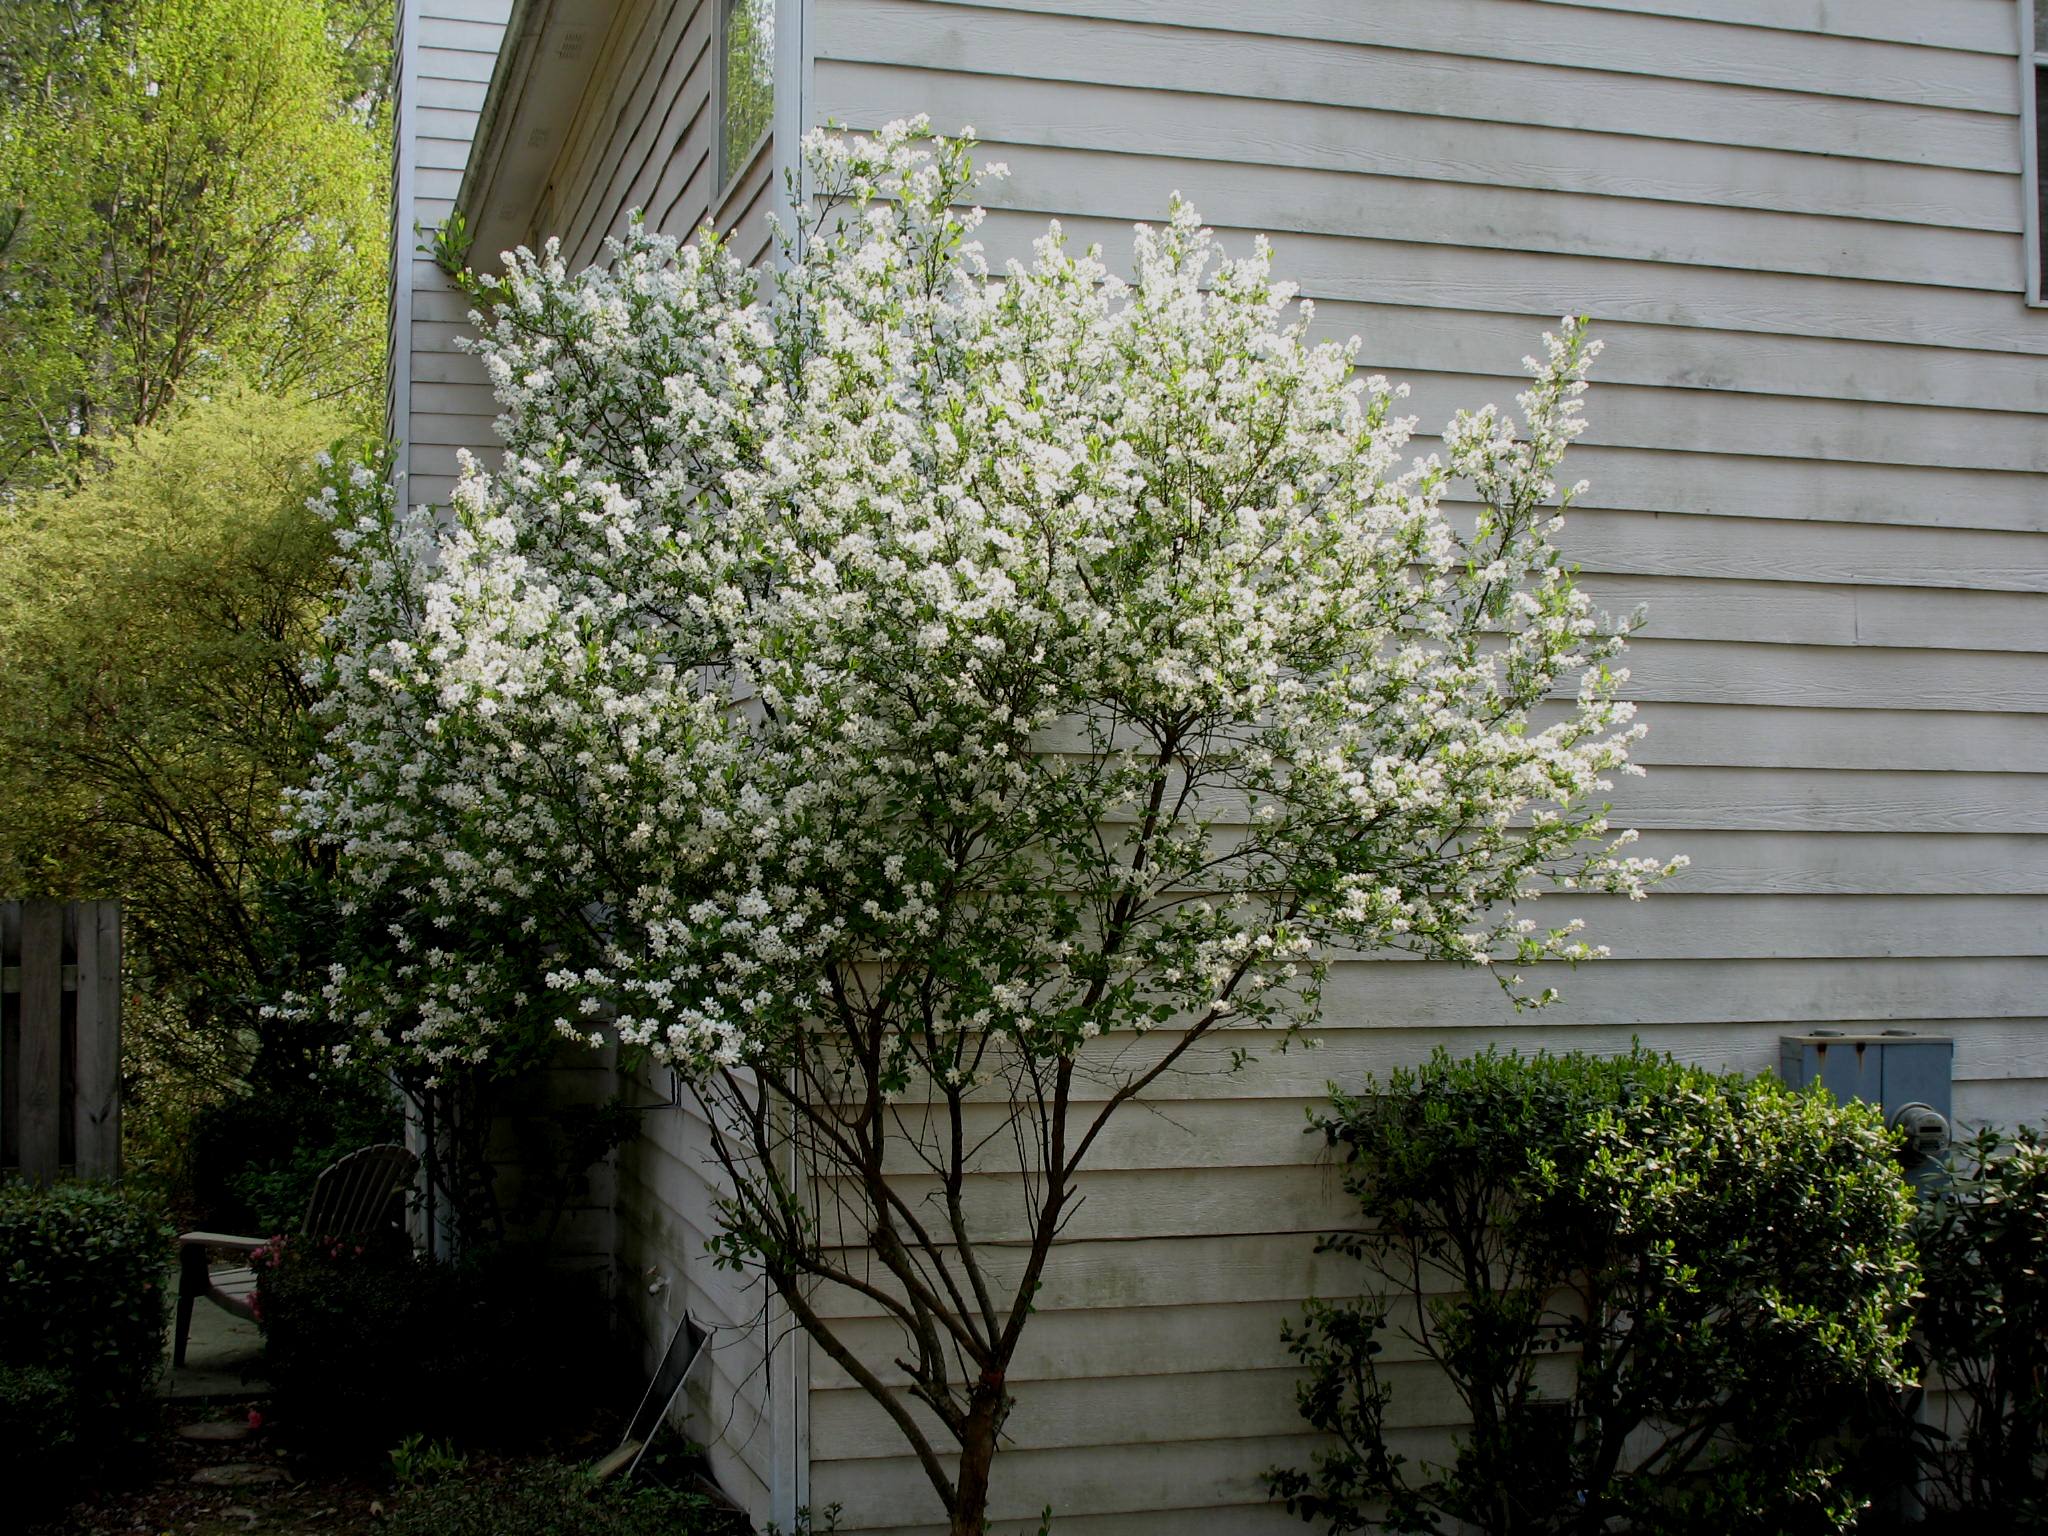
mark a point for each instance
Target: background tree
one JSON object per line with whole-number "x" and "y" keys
{"x": 194, "y": 190}
{"x": 192, "y": 244}
{"x": 920, "y": 707}
{"x": 153, "y": 623}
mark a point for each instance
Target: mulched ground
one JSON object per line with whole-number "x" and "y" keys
{"x": 267, "y": 1491}
{"x": 170, "y": 1503}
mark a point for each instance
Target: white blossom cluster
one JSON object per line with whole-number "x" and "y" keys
{"x": 934, "y": 655}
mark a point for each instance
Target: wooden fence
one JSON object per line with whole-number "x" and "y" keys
{"x": 60, "y": 1038}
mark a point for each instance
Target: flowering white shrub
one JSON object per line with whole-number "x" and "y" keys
{"x": 888, "y": 685}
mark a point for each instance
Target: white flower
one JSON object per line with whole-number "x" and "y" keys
{"x": 907, "y": 646}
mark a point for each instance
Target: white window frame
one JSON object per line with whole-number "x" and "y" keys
{"x": 2033, "y": 60}
{"x": 722, "y": 17}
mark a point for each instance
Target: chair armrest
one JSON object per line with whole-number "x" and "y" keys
{"x": 220, "y": 1240}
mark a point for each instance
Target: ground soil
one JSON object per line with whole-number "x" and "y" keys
{"x": 161, "y": 1499}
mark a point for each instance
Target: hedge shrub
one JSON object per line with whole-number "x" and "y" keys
{"x": 1983, "y": 1324}
{"x": 1658, "y": 1293}
{"x": 82, "y": 1291}
{"x": 39, "y": 1431}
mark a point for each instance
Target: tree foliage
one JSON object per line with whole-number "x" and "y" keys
{"x": 190, "y": 190}
{"x": 928, "y": 688}
{"x": 152, "y": 627}
{"x": 1658, "y": 1293}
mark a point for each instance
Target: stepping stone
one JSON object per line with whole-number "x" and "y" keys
{"x": 214, "y": 1429}
{"x": 240, "y": 1474}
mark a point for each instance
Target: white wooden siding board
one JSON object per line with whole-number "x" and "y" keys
{"x": 1131, "y": 1342}
{"x": 451, "y": 369}
{"x": 1397, "y": 338}
{"x": 460, "y": 94}
{"x": 1631, "y": 45}
{"x": 456, "y": 35}
{"x": 1657, "y": 543}
{"x": 2009, "y": 1102}
{"x": 1721, "y": 486}
{"x": 1708, "y": 420}
{"x": 1192, "y": 126}
{"x": 467, "y": 395}
{"x": 732, "y": 1413}
{"x": 1793, "y": 612}
{"x": 1257, "y": 1118}
{"x": 1202, "y": 1114}
{"x": 441, "y": 336}
{"x": 443, "y": 305}
{"x": 430, "y": 490}
{"x": 1287, "y": 201}
{"x": 437, "y": 181}
{"x": 1978, "y": 26}
{"x": 1136, "y": 1410}
{"x": 1421, "y": 271}
{"x": 1624, "y": 991}
{"x": 446, "y": 430}
{"x": 466, "y": 64}
{"x": 1830, "y": 800}
{"x": 491, "y": 11}
{"x": 441, "y": 154}
{"x": 1326, "y": 71}
{"x": 1851, "y": 864}
{"x": 1734, "y": 735}
{"x": 1835, "y": 677}
{"x": 457, "y": 124}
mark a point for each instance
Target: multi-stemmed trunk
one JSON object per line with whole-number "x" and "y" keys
{"x": 987, "y": 1407}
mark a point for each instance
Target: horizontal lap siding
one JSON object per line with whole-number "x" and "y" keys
{"x": 1819, "y": 452}
{"x": 665, "y": 1217}
{"x": 449, "y": 403}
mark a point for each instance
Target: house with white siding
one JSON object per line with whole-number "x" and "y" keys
{"x": 1810, "y": 234}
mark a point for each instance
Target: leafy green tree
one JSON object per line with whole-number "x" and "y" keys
{"x": 151, "y": 708}
{"x": 193, "y": 190}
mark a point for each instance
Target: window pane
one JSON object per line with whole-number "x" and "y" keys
{"x": 2041, "y": 26}
{"x": 747, "y": 81}
{"x": 2041, "y": 162}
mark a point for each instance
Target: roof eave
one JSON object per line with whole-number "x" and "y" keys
{"x": 545, "y": 65}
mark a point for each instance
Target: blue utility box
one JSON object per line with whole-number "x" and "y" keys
{"x": 1908, "y": 1076}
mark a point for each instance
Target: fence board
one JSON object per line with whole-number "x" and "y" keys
{"x": 42, "y": 997}
{"x": 96, "y": 1088}
{"x": 60, "y": 1038}
{"x": 10, "y": 1033}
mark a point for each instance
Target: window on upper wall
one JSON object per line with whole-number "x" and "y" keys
{"x": 2034, "y": 93}
{"x": 746, "y": 81}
